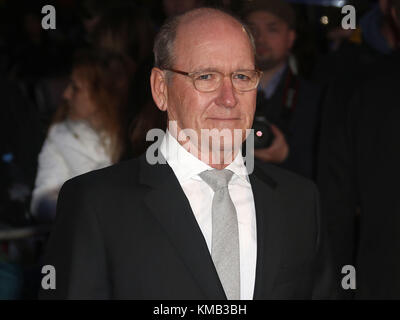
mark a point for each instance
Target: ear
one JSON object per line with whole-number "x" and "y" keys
{"x": 159, "y": 88}
{"x": 291, "y": 38}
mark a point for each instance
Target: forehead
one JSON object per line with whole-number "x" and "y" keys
{"x": 219, "y": 44}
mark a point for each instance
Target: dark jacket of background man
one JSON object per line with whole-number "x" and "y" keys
{"x": 347, "y": 174}
{"x": 373, "y": 177}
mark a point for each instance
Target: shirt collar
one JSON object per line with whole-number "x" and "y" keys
{"x": 186, "y": 166}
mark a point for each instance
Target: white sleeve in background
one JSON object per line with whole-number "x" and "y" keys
{"x": 51, "y": 174}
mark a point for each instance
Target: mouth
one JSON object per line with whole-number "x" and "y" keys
{"x": 223, "y": 119}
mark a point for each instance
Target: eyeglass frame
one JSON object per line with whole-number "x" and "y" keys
{"x": 190, "y": 75}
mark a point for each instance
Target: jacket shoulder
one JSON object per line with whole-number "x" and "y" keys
{"x": 114, "y": 176}
{"x": 284, "y": 179}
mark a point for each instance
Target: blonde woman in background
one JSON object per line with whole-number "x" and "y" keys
{"x": 88, "y": 131}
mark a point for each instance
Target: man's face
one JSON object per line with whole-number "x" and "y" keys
{"x": 274, "y": 39}
{"x": 219, "y": 47}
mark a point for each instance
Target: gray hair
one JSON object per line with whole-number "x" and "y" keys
{"x": 164, "y": 42}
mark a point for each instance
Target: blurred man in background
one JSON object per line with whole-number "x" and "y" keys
{"x": 285, "y": 99}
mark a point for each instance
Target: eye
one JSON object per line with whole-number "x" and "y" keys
{"x": 241, "y": 76}
{"x": 206, "y": 76}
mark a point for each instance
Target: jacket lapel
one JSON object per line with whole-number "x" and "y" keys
{"x": 268, "y": 232}
{"x": 169, "y": 205}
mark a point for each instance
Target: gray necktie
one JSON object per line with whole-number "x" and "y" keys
{"x": 225, "y": 233}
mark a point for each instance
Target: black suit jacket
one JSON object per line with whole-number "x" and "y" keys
{"x": 341, "y": 72}
{"x": 128, "y": 232}
{"x": 364, "y": 178}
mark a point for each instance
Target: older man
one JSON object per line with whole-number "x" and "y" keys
{"x": 193, "y": 228}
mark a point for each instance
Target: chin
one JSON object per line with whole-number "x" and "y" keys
{"x": 224, "y": 124}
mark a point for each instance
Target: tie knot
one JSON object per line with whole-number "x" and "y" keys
{"x": 216, "y": 179}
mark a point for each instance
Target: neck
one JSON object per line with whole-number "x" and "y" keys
{"x": 216, "y": 159}
{"x": 225, "y": 159}
{"x": 268, "y": 74}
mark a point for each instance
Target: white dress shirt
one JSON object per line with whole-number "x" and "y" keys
{"x": 187, "y": 168}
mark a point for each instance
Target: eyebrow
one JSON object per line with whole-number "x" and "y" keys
{"x": 205, "y": 69}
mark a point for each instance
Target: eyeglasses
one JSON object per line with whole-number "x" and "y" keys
{"x": 209, "y": 81}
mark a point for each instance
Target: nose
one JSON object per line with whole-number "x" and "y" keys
{"x": 261, "y": 38}
{"x": 227, "y": 95}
